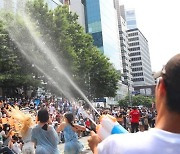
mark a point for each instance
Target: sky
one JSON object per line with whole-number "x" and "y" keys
{"x": 159, "y": 21}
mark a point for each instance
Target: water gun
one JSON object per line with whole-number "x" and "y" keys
{"x": 108, "y": 126}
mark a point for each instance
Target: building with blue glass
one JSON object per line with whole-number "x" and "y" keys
{"x": 101, "y": 22}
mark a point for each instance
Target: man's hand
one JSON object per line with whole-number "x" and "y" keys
{"x": 93, "y": 141}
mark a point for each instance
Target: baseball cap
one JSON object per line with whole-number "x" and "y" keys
{"x": 171, "y": 72}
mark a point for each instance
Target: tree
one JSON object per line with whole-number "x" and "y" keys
{"x": 136, "y": 101}
{"x": 142, "y": 100}
{"x": 124, "y": 102}
{"x": 14, "y": 70}
{"x": 89, "y": 68}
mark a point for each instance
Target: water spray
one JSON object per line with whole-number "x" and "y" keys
{"x": 108, "y": 124}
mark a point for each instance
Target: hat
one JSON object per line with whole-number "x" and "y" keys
{"x": 171, "y": 72}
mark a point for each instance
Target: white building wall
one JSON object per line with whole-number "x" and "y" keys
{"x": 142, "y": 72}
{"x": 77, "y": 7}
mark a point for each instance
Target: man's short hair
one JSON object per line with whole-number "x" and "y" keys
{"x": 171, "y": 76}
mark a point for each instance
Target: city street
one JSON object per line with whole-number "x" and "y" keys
{"x": 82, "y": 140}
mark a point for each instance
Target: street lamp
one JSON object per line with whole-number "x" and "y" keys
{"x": 129, "y": 95}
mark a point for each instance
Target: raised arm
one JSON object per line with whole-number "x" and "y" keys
{"x": 60, "y": 127}
{"x": 79, "y": 127}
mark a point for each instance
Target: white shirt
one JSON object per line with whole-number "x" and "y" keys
{"x": 16, "y": 148}
{"x": 51, "y": 109}
{"x": 154, "y": 141}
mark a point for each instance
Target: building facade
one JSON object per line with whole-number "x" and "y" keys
{"x": 8, "y": 5}
{"x": 122, "y": 25}
{"x": 52, "y": 4}
{"x": 1, "y": 4}
{"x": 77, "y": 6}
{"x": 140, "y": 58}
{"x": 131, "y": 19}
{"x": 101, "y": 22}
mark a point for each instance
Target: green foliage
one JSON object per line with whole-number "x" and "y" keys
{"x": 14, "y": 69}
{"x": 124, "y": 102}
{"x": 136, "y": 101}
{"x": 74, "y": 48}
{"x": 90, "y": 69}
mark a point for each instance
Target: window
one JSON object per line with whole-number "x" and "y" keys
{"x": 135, "y": 54}
{"x": 136, "y": 64}
{"x": 134, "y": 49}
{"x": 133, "y": 34}
{"x": 136, "y": 59}
{"x": 138, "y": 79}
{"x": 137, "y": 74}
{"x": 133, "y": 39}
{"x": 137, "y": 69}
{"x": 134, "y": 44}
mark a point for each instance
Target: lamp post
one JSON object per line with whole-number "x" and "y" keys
{"x": 129, "y": 95}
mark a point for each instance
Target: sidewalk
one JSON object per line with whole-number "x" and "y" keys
{"x": 83, "y": 140}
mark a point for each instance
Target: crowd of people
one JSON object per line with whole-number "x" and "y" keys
{"x": 38, "y": 125}
{"x": 165, "y": 137}
{"x": 11, "y": 127}
{"x": 18, "y": 116}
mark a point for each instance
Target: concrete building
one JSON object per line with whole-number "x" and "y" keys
{"x": 140, "y": 58}
{"x": 148, "y": 90}
{"x": 101, "y": 22}
{"x": 77, "y": 6}
{"x": 52, "y": 4}
{"x": 127, "y": 72}
{"x": 8, "y": 5}
{"x": 1, "y": 4}
{"x": 131, "y": 18}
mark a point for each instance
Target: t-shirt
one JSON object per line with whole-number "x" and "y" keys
{"x": 135, "y": 115}
{"x": 16, "y": 148}
{"x": 51, "y": 109}
{"x": 154, "y": 141}
{"x": 88, "y": 123}
{"x": 46, "y": 141}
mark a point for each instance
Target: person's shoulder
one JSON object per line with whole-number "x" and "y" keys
{"x": 50, "y": 128}
{"x": 36, "y": 127}
{"x": 118, "y": 143}
{"x": 128, "y": 138}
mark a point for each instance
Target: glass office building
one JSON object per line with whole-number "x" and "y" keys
{"x": 101, "y": 23}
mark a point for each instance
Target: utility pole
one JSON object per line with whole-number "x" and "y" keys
{"x": 129, "y": 95}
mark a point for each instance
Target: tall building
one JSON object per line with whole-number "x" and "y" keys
{"x": 76, "y": 6}
{"x": 20, "y": 5}
{"x": 131, "y": 19}
{"x": 101, "y": 22}
{"x": 122, "y": 25}
{"x": 8, "y": 5}
{"x": 140, "y": 58}
{"x": 1, "y": 4}
{"x": 54, "y": 3}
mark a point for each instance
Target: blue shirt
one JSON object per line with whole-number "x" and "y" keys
{"x": 46, "y": 140}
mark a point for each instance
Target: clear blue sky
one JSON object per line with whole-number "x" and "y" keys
{"x": 159, "y": 21}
